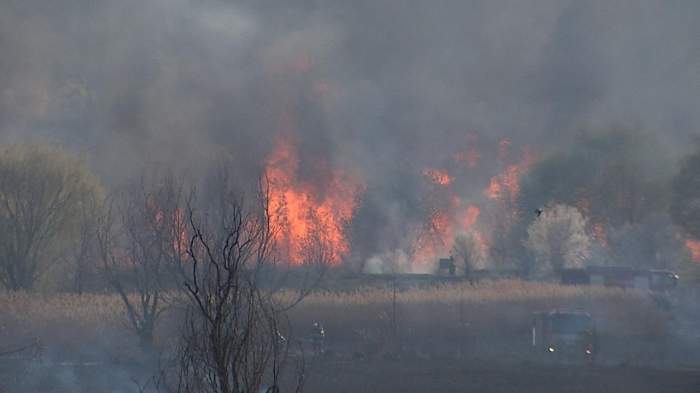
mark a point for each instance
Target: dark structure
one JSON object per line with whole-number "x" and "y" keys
{"x": 447, "y": 265}
{"x": 621, "y": 277}
{"x": 570, "y": 334}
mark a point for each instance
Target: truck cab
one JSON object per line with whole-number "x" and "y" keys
{"x": 564, "y": 334}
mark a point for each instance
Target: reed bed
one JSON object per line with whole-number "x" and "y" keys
{"x": 500, "y": 308}
{"x": 85, "y": 326}
{"x": 88, "y": 323}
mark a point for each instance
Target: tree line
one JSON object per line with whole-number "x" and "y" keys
{"x": 160, "y": 246}
{"x": 613, "y": 197}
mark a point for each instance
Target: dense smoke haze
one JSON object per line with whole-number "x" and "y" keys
{"x": 349, "y": 195}
{"x": 368, "y": 93}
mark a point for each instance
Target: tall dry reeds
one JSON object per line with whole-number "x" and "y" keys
{"x": 500, "y": 308}
{"x": 80, "y": 324}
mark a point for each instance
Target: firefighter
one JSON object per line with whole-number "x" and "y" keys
{"x": 318, "y": 338}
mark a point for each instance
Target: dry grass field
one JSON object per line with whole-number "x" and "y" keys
{"x": 75, "y": 324}
{"x": 500, "y": 307}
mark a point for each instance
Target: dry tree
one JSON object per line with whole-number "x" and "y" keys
{"x": 140, "y": 240}
{"x": 235, "y": 337}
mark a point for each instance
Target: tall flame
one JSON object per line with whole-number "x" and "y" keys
{"x": 506, "y": 185}
{"x": 437, "y": 237}
{"x": 300, "y": 215}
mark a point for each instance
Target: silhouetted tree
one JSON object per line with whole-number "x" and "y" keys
{"x": 232, "y": 340}
{"x": 141, "y": 240}
{"x": 470, "y": 250}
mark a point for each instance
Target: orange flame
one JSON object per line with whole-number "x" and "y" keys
{"x": 468, "y": 217}
{"x": 436, "y": 238}
{"x": 299, "y": 214}
{"x": 438, "y": 176}
{"x": 506, "y": 185}
{"x": 432, "y": 241}
{"x": 694, "y": 248}
{"x": 446, "y": 220}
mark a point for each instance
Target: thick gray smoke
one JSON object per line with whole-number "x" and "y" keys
{"x": 382, "y": 88}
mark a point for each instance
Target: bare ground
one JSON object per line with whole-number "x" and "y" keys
{"x": 418, "y": 375}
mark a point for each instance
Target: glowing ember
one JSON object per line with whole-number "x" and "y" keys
{"x": 436, "y": 238}
{"x": 438, "y": 176}
{"x": 299, "y": 215}
{"x": 694, "y": 248}
{"x": 468, "y": 217}
{"x": 432, "y": 241}
{"x": 494, "y": 190}
{"x": 506, "y": 185}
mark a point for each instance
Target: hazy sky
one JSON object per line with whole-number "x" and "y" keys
{"x": 381, "y": 89}
{"x": 366, "y": 82}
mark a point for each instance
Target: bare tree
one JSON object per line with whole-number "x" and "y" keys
{"x": 558, "y": 239}
{"x": 41, "y": 190}
{"x": 141, "y": 236}
{"x": 232, "y": 340}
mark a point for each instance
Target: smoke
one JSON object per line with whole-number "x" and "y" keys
{"x": 379, "y": 90}
{"x": 558, "y": 240}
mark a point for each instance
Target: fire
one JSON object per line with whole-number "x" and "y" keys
{"x": 438, "y": 176}
{"x": 495, "y": 189}
{"x": 471, "y": 155}
{"x": 468, "y": 217}
{"x": 436, "y": 238}
{"x": 432, "y": 241}
{"x": 174, "y": 222}
{"x": 694, "y": 248}
{"x": 448, "y": 217}
{"x": 299, "y": 214}
{"x": 506, "y": 185}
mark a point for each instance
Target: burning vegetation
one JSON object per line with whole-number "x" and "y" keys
{"x": 302, "y": 212}
{"x": 454, "y": 208}
{"x": 220, "y": 172}
{"x": 694, "y": 248}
